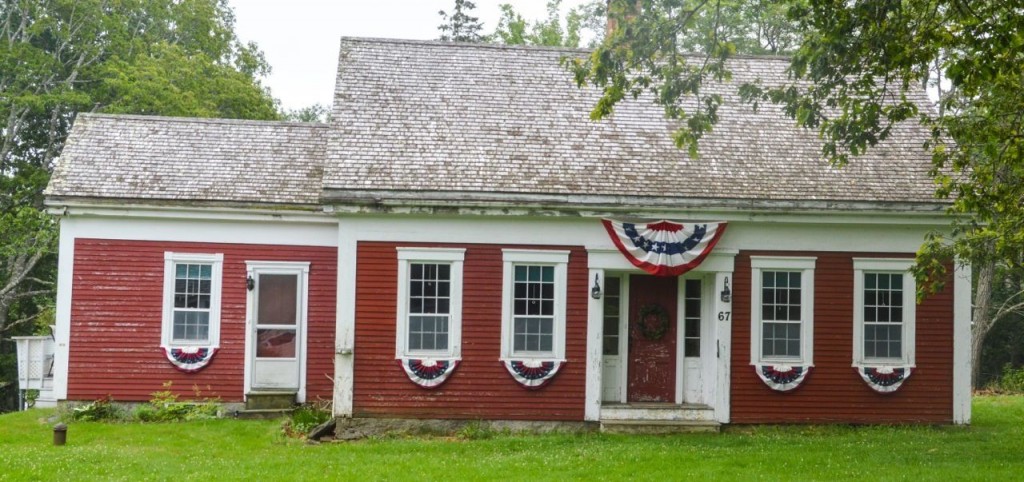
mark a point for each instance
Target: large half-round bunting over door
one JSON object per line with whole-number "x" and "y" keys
{"x": 664, "y": 248}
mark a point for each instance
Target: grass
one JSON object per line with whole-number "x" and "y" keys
{"x": 991, "y": 449}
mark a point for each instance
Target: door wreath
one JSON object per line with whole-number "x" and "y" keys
{"x": 652, "y": 321}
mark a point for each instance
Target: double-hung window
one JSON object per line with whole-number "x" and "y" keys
{"x": 192, "y": 288}
{"x": 533, "y": 307}
{"x": 430, "y": 302}
{"x": 884, "y": 312}
{"x": 782, "y": 310}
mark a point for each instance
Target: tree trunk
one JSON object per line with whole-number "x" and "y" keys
{"x": 983, "y": 319}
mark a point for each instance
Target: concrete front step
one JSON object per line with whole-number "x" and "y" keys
{"x": 259, "y": 414}
{"x": 658, "y": 427}
{"x": 657, "y": 412}
{"x": 267, "y": 400}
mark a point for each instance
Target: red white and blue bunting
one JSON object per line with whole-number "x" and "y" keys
{"x": 532, "y": 374}
{"x": 664, "y": 248}
{"x": 428, "y": 372}
{"x": 782, "y": 378}
{"x": 884, "y": 379}
{"x": 189, "y": 359}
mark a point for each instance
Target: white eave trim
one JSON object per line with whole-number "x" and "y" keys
{"x": 459, "y": 203}
{"x": 311, "y": 214}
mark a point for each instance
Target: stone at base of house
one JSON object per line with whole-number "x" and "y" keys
{"x": 358, "y": 428}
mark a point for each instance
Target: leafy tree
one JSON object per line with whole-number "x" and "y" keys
{"x": 853, "y": 67}
{"x": 60, "y": 57}
{"x": 460, "y": 26}
{"x": 319, "y": 113}
{"x": 513, "y": 29}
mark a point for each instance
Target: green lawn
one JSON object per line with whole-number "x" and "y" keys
{"x": 991, "y": 449}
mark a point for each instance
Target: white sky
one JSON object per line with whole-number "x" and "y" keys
{"x": 300, "y": 38}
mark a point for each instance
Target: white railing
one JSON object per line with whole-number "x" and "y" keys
{"x": 35, "y": 364}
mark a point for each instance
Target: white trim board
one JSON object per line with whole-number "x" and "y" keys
{"x": 962, "y": 344}
{"x": 204, "y": 231}
{"x": 590, "y": 233}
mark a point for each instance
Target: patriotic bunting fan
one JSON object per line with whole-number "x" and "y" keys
{"x": 189, "y": 359}
{"x": 664, "y": 248}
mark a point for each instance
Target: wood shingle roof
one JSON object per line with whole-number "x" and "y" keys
{"x": 432, "y": 120}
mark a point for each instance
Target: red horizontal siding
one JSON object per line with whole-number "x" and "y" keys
{"x": 833, "y": 392}
{"x": 117, "y": 306}
{"x": 480, "y": 387}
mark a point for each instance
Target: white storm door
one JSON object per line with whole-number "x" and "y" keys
{"x": 277, "y": 308}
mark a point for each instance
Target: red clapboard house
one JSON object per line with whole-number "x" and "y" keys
{"x": 462, "y": 242}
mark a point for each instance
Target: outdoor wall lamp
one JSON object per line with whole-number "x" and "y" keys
{"x": 595, "y": 292}
{"x": 726, "y": 293}
{"x": 250, "y": 283}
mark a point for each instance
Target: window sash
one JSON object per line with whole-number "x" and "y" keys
{"x": 883, "y": 317}
{"x": 533, "y": 309}
{"x": 781, "y": 314}
{"x": 192, "y": 301}
{"x": 428, "y": 317}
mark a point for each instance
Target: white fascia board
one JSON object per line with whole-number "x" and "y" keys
{"x": 150, "y": 211}
{"x": 377, "y": 201}
{"x": 866, "y": 216}
{"x": 206, "y": 230}
{"x": 590, "y": 233}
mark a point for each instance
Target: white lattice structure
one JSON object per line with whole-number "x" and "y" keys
{"x": 35, "y": 366}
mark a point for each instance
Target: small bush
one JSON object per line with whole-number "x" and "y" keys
{"x": 308, "y": 417}
{"x": 1012, "y": 380}
{"x": 477, "y": 430}
{"x": 102, "y": 410}
{"x": 165, "y": 407}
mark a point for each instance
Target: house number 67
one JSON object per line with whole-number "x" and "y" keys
{"x": 724, "y": 315}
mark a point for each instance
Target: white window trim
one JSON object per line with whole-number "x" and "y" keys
{"x": 884, "y": 265}
{"x": 167, "y": 329}
{"x": 456, "y": 258}
{"x": 805, "y": 265}
{"x": 560, "y": 260}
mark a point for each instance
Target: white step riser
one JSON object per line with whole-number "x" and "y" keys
{"x": 657, "y": 414}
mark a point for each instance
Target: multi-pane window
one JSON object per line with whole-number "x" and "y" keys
{"x": 691, "y": 317}
{"x": 612, "y": 305}
{"x": 429, "y": 306}
{"x": 782, "y": 310}
{"x": 884, "y": 311}
{"x": 883, "y": 315}
{"x": 192, "y": 300}
{"x": 533, "y": 304}
{"x": 780, "y": 314}
{"x": 533, "y": 317}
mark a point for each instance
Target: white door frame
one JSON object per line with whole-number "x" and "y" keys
{"x": 718, "y": 269}
{"x": 300, "y": 268}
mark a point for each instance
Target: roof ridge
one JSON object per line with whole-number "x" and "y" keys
{"x": 541, "y": 48}
{"x": 203, "y": 120}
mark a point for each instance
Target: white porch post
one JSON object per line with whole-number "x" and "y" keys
{"x": 595, "y": 333}
{"x": 344, "y": 344}
{"x": 962, "y": 345}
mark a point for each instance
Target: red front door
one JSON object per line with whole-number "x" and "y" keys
{"x": 652, "y": 347}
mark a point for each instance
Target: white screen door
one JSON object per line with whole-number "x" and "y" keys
{"x": 278, "y": 312}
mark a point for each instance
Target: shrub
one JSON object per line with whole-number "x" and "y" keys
{"x": 165, "y": 407}
{"x": 102, "y": 410}
{"x": 308, "y": 417}
{"x": 1012, "y": 380}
